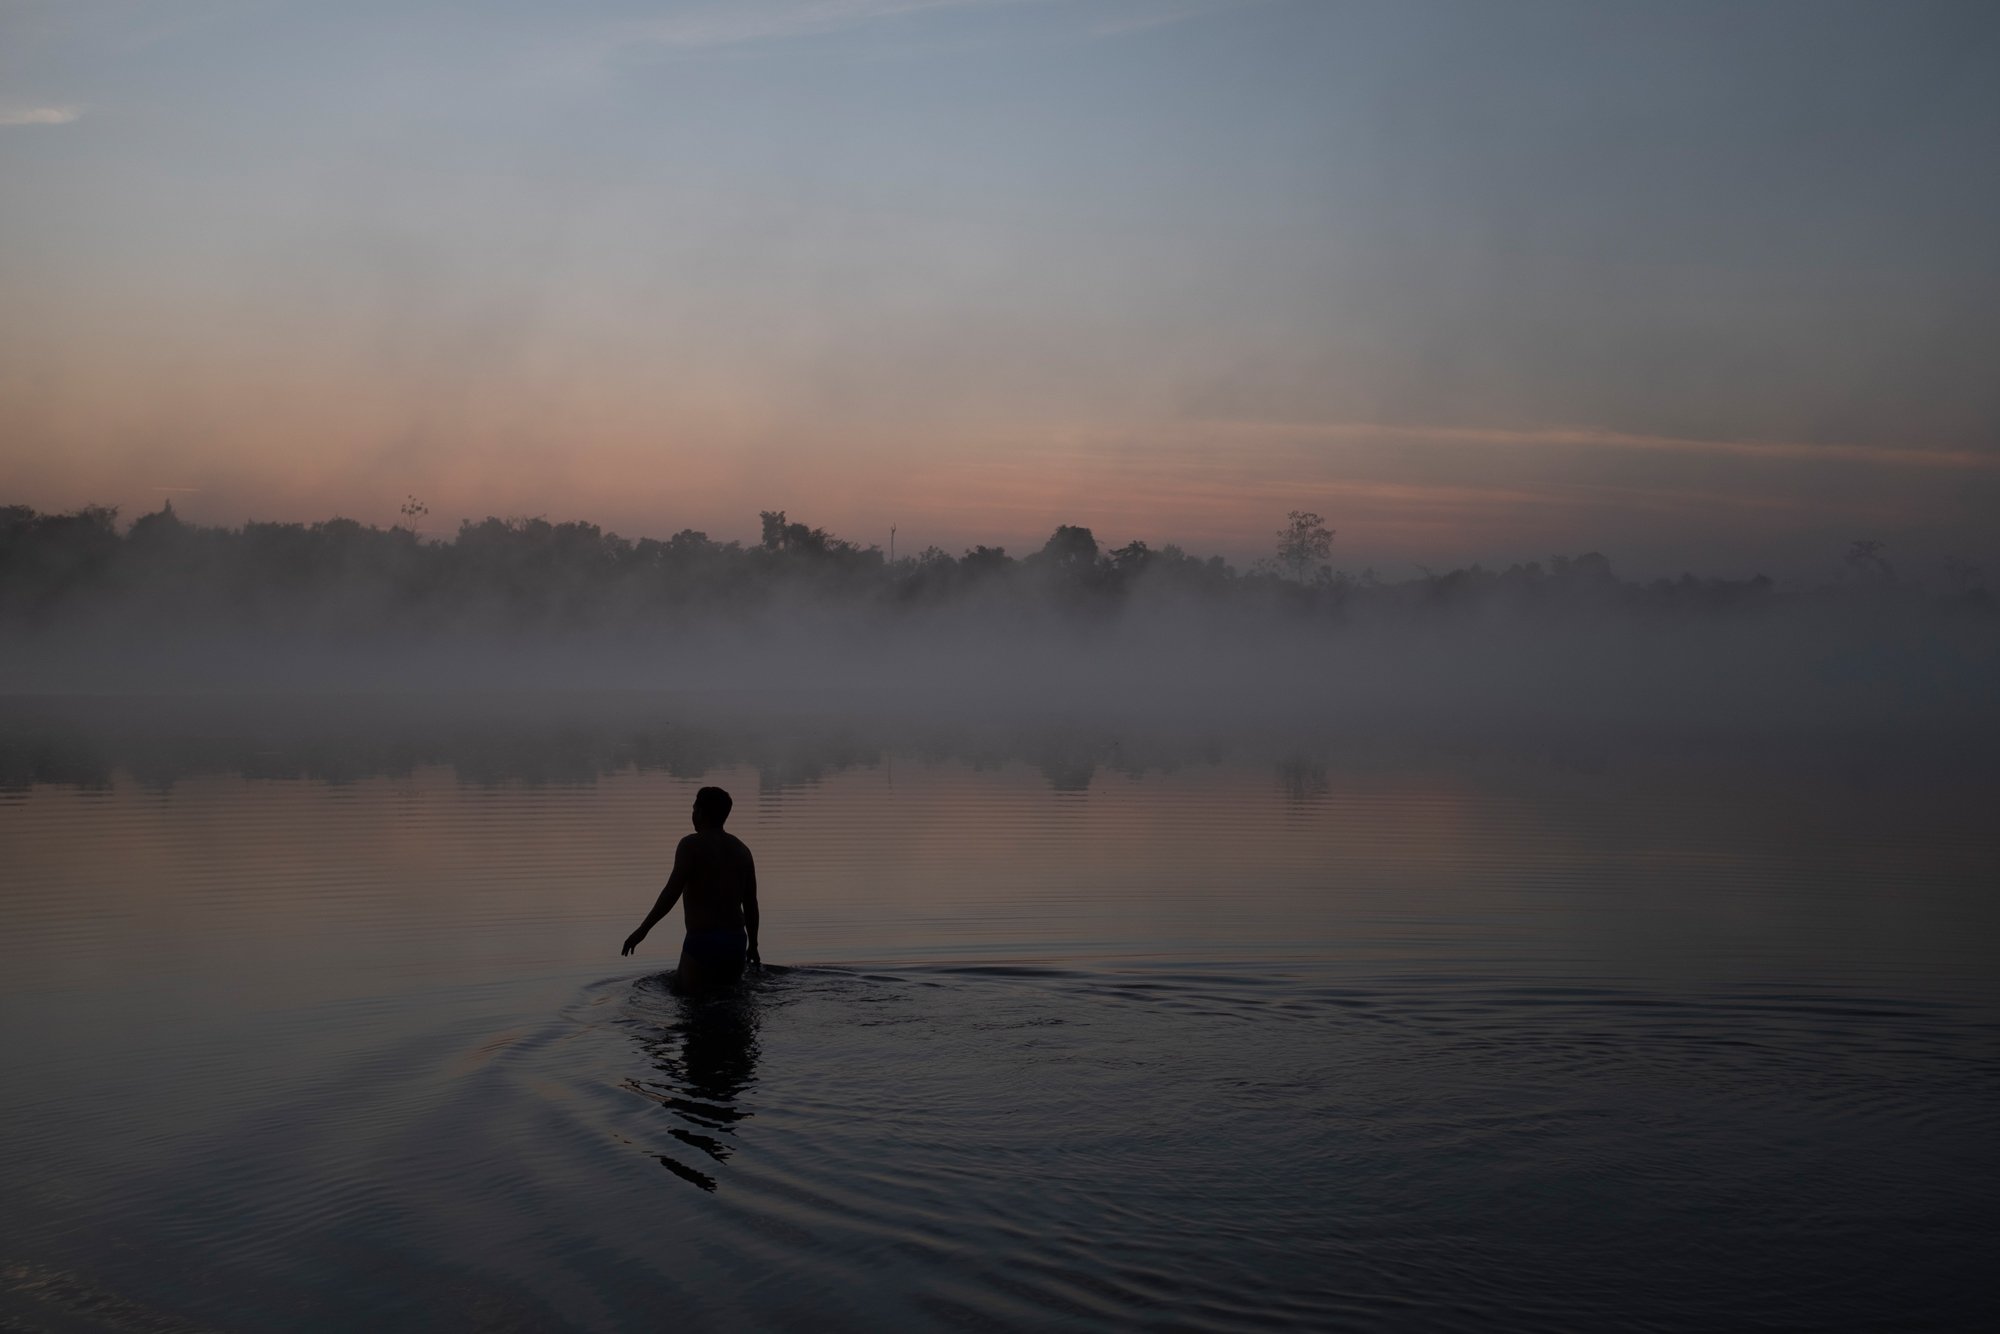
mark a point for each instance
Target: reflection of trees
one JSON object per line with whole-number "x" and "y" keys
{"x": 1068, "y": 773}
{"x": 527, "y": 740}
{"x": 530, "y": 740}
{"x": 1302, "y": 778}
{"x": 557, "y": 740}
{"x": 82, "y": 743}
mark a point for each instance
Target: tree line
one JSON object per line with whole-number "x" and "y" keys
{"x": 530, "y": 572}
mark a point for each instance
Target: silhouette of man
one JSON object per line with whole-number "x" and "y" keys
{"x": 716, "y": 879}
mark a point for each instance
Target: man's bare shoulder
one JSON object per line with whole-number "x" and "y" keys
{"x": 713, "y": 841}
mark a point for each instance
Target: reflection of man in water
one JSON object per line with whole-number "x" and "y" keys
{"x": 715, "y": 876}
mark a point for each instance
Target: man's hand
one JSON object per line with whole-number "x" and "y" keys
{"x": 632, "y": 941}
{"x": 755, "y": 961}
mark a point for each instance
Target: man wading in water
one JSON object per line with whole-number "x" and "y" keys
{"x": 714, "y": 872}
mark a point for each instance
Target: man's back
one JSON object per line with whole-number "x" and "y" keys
{"x": 717, "y": 880}
{"x": 720, "y": 878}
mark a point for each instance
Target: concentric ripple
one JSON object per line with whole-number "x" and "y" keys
{"x": 1459, "y": 1044}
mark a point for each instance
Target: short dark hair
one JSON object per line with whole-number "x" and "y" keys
{"x": 712, "y": 803}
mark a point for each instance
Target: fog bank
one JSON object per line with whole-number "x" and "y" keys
{"x": 1071, "y": 631}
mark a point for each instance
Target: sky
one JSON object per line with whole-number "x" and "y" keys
{"x": 1701, "y": 286}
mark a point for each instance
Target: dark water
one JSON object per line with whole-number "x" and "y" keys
{"x": 312, "y": 1026}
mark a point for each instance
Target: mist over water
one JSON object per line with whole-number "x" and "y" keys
{"x": 1074, "y": 631}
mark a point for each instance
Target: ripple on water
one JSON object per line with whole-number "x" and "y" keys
{"x": 1214, "y": 1150}
{"x": 285, "y": 1054}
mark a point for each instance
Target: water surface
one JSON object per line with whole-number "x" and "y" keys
{"x": 307, "y": 1027}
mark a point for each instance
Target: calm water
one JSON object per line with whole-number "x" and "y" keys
{"x": 320, "y": 1024}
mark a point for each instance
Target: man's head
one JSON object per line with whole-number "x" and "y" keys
{"x": 711, "y": 808}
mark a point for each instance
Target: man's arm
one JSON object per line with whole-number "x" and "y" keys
{"x": 669, "y": 894}
{"x": 750, "y": 906}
